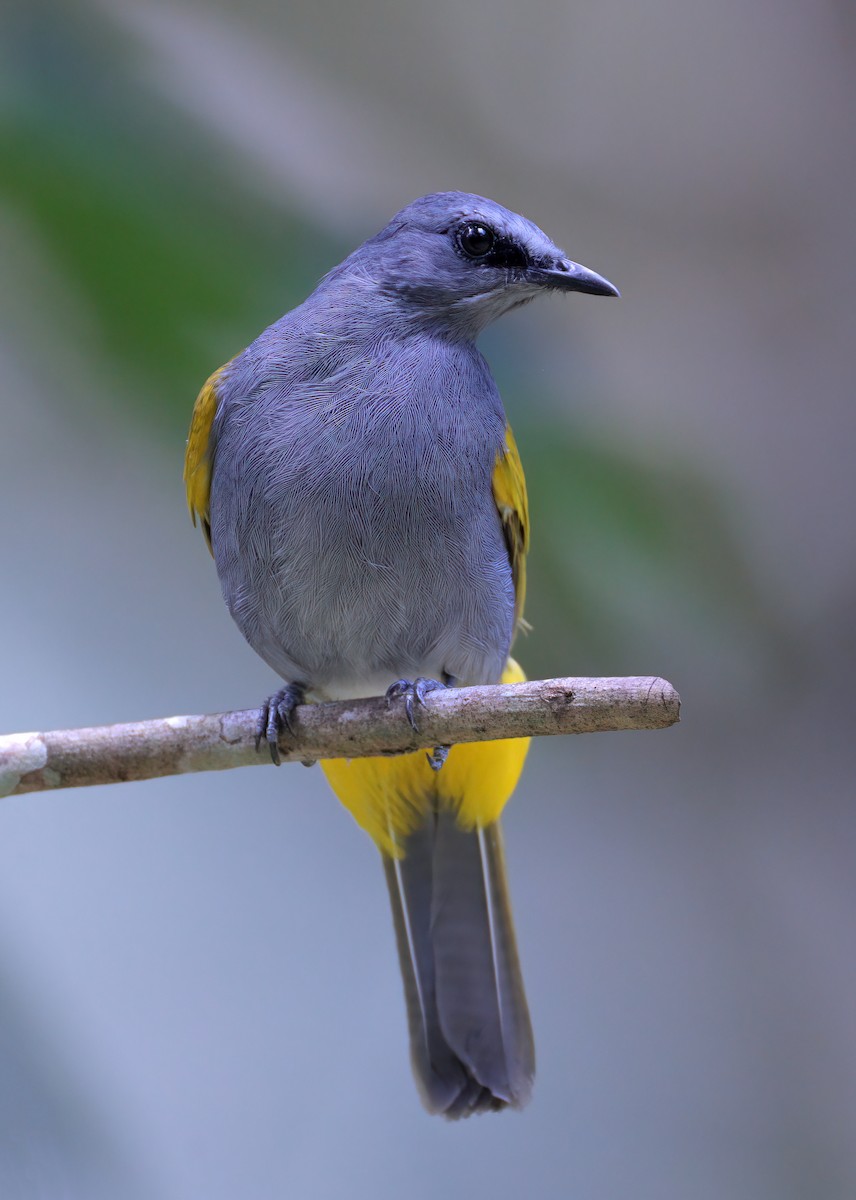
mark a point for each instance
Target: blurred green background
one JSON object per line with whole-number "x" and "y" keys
{"x": 198, "y": 987}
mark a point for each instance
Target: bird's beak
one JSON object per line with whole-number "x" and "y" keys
{"x": 567, "y": 276}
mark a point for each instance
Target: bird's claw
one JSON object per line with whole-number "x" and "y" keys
{"x": 437, "y": 757}
{"x": 413, "y": 692}
{"x": 275, "y": 716}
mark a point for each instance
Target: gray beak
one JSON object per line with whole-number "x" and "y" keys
{"x": 567, "y": 276}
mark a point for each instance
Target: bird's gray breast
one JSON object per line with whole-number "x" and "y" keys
{"x": 353, "y": 522}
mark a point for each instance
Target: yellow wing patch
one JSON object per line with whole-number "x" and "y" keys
{"x": 389, "y": 797}
{"x": 197, "y": 457}
{"x": 509, "y": 492}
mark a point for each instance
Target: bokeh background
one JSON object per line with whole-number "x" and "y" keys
{"x": 199, "y": 995}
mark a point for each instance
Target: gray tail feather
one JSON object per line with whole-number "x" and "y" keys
{"x": 470, "y": 1035}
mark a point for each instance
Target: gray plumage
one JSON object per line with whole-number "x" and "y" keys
{"x": 358, "y": 542}
{"x": 352, "y": 519}
{"x": 470, "y": 1036}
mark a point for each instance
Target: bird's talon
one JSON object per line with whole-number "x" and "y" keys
{"x": 413, "y": 692}
{"x": 275, "y": 716}
{"x": 437, "y": 757}
{"x": 272, "y": 735}
{"x": 395, "y": 691}
{"x": 261, "y": 725}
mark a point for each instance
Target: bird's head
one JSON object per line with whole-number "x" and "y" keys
{"x": 459, "y": 261}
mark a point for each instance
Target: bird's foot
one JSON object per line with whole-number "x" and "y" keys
{"x": 412, "y": 692}
{"x": 437, "y": 757}
{"x": 275, "y": 717}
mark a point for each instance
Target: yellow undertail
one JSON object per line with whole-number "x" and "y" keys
{"x": 389, "y": 797}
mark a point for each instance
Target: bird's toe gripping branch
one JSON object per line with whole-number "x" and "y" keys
{"x": 413, "y": 693}
{"x": 275, "y": 716}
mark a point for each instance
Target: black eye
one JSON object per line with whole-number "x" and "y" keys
{"x": 476, "y": 241}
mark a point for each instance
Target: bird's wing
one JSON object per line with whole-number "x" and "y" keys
{"x": 199, "y": 455}
{"x": 509, "y": 492}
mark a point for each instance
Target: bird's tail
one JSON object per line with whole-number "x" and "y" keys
{"x": 439, "y": 835}
{"x": 470, "y": 1035}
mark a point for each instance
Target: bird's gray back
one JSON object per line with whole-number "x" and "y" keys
{"x": 353, "y": 522}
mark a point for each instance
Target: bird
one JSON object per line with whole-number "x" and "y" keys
{"x": 362, "y": 495}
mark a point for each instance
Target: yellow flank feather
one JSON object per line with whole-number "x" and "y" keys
{"x": 389, "y": 797}
{"x": 509, "y": 492}
{"x": 197, "y": 457}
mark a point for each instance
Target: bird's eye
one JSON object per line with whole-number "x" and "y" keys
{"x": 476, "y": 241}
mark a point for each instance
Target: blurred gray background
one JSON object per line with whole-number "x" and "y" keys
{"x": 199, "y": 995}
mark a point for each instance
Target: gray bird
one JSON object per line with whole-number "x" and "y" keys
{"x": 362, "y": 495}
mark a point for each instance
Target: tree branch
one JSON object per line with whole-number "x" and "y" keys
{"x": 33, "y": 762}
